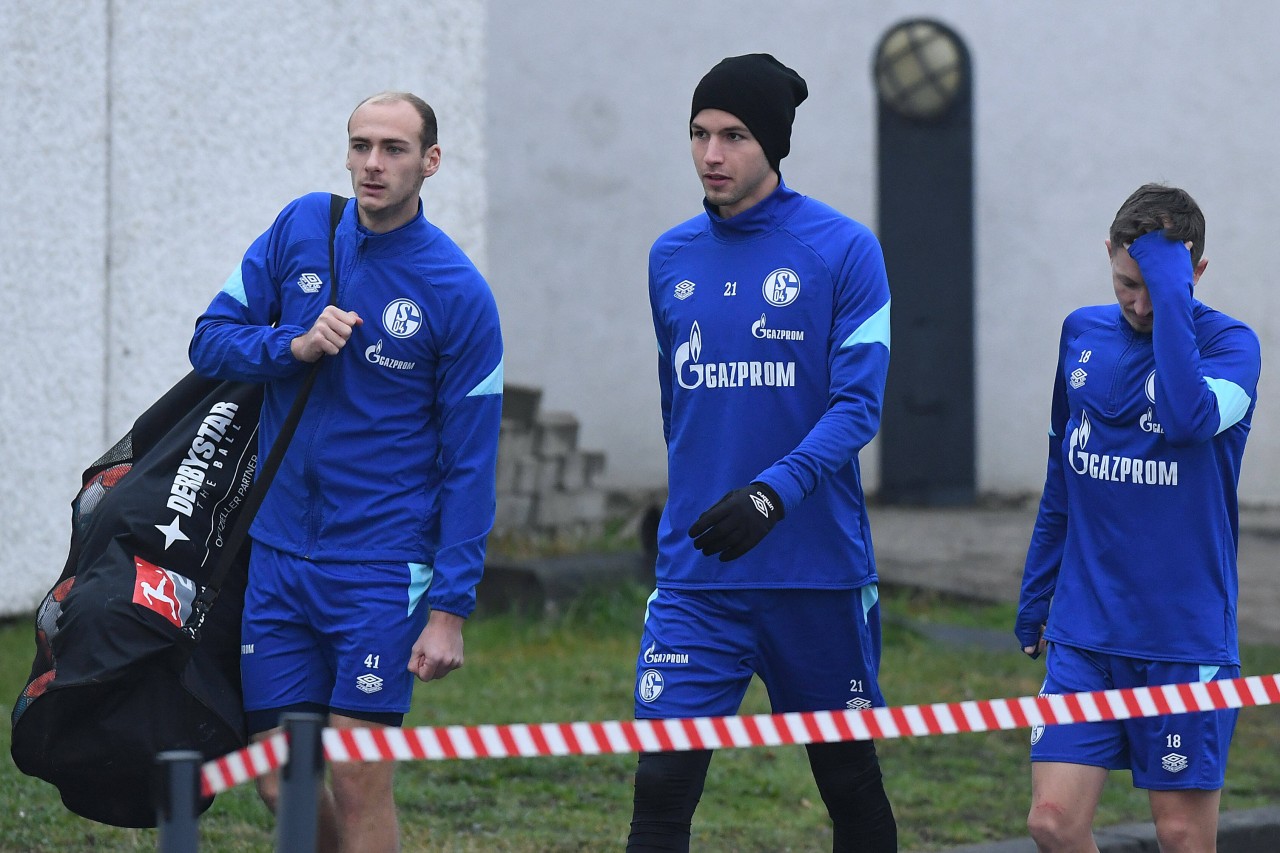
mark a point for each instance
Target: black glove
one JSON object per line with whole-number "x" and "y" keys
{"x": 737, "y": 522}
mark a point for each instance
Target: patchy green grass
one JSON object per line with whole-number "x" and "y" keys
{"x": 945, "y": 790}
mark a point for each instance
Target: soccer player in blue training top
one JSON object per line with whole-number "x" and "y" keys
{"x": 370, "y": 542}
{"x": 1135, "y": 543}
{"x": 772, "y": 316}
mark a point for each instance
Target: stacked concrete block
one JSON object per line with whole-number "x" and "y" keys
{"x": 547, "y": 485}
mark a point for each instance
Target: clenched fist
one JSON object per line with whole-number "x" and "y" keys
{"x": 330, "y": 334}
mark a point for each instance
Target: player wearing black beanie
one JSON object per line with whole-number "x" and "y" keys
{"x": 760, "y": 91}
{"x": 771, "y": 312}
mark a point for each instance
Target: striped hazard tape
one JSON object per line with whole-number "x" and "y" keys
{"x": 620, "y": 736}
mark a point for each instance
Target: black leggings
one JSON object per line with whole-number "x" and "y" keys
{"x": 669, "y": 785}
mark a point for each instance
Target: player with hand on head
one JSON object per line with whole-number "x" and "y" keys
{"x": 1135, "y": 542}
{"x": 771, "y": 311}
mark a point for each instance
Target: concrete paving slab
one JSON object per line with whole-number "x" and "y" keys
{"x": 1248, "y": 831}
{"x": 978, "y": 552}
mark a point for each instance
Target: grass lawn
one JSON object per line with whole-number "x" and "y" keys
{"x": 945, "y": 790}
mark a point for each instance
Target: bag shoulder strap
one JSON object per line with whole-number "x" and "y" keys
{"x": 267, "y": 471}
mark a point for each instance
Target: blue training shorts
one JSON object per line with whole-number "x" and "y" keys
{"x": 1176, "y": 752}
{"x": 814, "y": 649}
{"x": 329, "y": 637}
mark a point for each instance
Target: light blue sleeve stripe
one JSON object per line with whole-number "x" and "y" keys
{"x": 419, "y": 580}
{"x": 491, "y": 384}
{"x": 870, "y": 597}
{"x": 874, "y": 330}
{"x": 647, "y": 602}
{"x": 235, "y": 287}
{"x": 1233, "y": 402}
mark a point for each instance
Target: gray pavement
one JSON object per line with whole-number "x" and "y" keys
{"x": 1250, "y": 831}
{"x": 978, "y": 552}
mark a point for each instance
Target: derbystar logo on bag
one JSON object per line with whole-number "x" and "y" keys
{"x": 167, "y": 593}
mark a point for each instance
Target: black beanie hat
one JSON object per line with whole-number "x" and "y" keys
{"x": 762, "y": 92}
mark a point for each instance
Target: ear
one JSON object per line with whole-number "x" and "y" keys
{"x": 1198, "y": 271}
{"x": 431, "y": 161}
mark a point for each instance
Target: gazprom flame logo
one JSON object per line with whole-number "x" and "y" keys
{"x": 1075, "y": 449}
{"x": 1118, "y": 468}
{"x": 1147, "y": 422}
{"x": 691, "y": 373}
{"x": 691, "y": 350}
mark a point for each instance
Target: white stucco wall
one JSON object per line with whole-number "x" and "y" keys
{"x": 149, "y": 143}
{"x": 1076, "y": 105}
{"x": 53, "y": 224}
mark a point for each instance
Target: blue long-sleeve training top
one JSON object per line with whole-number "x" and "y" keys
{"x": 1135, "y": 543}
{"x": 395, "y": 454}
{"x": 773, "y": 346}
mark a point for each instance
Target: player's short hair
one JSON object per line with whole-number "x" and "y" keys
{"x": 1155, "y": 206}
{"x": 430, "y": 131}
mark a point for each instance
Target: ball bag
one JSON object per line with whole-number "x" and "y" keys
{"x": 115, "y": 680}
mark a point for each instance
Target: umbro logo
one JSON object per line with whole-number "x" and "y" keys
{"x": 1078, "y": 377}
{"x": 684, "y": 289}
{"x": 369, "y": 683}
{"x": 309, "y": 282}
{"x": 762, "y": 504}
{"x": 1174, "y": 763}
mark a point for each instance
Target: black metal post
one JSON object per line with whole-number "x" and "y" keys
{"x": 178, "y": 793}
{"x": 300, "y": 781}
{"x": 927, "y": 435}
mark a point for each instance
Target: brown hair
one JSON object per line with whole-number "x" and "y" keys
{"x": 430, "y": 131}
{"x": 1156, "y": 206}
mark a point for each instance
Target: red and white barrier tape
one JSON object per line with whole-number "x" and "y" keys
{"x": 621, "y": 736}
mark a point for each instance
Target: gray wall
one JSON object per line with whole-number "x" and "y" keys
{"x": 148, "y": 143}
{"x": 1076, "y": 104}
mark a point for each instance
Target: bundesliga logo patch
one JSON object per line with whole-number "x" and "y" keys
{"x": 162, "y": 591}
